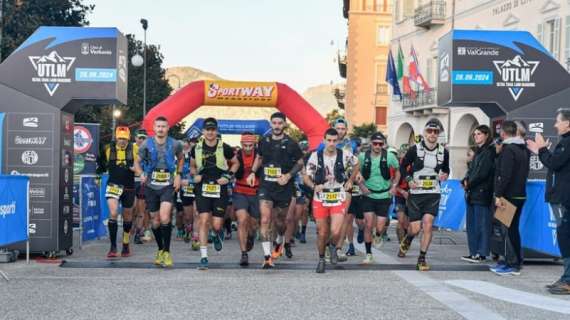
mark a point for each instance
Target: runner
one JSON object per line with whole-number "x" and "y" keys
{"x": 376, "y": 164}
{"x": 327, "y": 176}
{"x": 246, "y": 203}
{"x": 280, "y": 159}
{"x": 119, "y": 158}
{"x": 186, "y": 195}
{"x": 212, "y": 174}
{"x": 402, "y": 194}
{"x": 142, "y": 217}
{"x": 159, "y": 165}
{"x": 430, "y": 165}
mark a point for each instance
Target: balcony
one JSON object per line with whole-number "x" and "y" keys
{"x": 420, "y": 99}
{"x": 339, "y": 95}
{"x": 342, "y": 64}
{"x": 430, "y": 14}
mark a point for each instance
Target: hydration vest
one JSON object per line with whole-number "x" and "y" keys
{"x": 221, "y": 162}
{"x": 339, "y": 172}
{"x": 421, "y": 154}
{"x": 367, "y": 166}
{"x": 240, "y": 171}
{"x": 129, "y": 157}
{"x": 151, "y": 158}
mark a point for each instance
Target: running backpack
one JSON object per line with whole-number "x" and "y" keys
{"x": 339, "y": 172}
{"x": 421, "y": 154}
{"x": 151, "y": 156}
{"x": 367, "y": 166}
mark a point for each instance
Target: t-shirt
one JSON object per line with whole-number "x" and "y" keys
{"x": 376, "y": 180}
{"x": 210, "y": 171}
{"x": 119, "y": 172}
{"x": 278, "y": 158}
{"x": 161, "y": 167}
{"x": 348, "y": 161}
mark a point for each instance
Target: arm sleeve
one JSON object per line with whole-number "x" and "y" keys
{"x": 556, "y": 160}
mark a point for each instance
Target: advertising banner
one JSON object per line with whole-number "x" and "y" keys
{"x": 237, "y": 93}
{"x": 85, "y": 148}
{"x": 90, "y": 206}
{"x": 258, "y": 127}
{"x": 14, "y": 207}
{"x": 452, "y": 207}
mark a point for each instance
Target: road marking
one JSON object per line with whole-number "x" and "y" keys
{"x": 464, "y": 306}
{"x": 513, "y": 296}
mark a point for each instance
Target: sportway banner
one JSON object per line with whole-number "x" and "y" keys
{"x": 14, "y": 206}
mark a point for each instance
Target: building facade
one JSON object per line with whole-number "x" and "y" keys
{"x": 421, "y": 23}
{"x": 363, "y": 64}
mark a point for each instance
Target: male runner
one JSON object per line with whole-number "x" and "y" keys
{"x": 142, "y": 217}
{"x": 280, "y": 159}
{"x": 212, "y": 174}
{"x": 430, "y": 165}
{"x": 160, "y": 165}
{"x": 119, "y": 159}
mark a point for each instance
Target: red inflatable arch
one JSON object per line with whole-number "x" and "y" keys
{"x": 247, "y": 94}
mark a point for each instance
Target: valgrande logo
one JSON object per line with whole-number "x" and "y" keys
{"x": 52, "y": 70}
{"x": 7, "y": 209}
{"x": 516, "y": 74}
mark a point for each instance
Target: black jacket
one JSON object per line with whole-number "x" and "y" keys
{"x": 480, "y": 176}
{"x": 558, "y": 177}
{"x": 512, "y": 167}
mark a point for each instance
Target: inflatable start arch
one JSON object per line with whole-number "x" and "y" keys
{"x": 243, "y": 94}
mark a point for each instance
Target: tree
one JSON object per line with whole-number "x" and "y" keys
{"x": 22, "y": 18}
{"x": 363, "y": 131}
{"x": 333, "y": 115}
{"x": 296, "y": 134}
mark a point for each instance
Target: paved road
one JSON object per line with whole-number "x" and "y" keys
{"x": 43, "y": 291}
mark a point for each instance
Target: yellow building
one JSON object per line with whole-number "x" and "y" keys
{"x": 365, "y": 96}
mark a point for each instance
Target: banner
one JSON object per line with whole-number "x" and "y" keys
{"x": 14, "y": 207}
{"x": 258, "y": 127}
{"x": 90, "y": 206}
{"x": 238, "y": 93}
{"x": 85, "y": 148}
{"x": 452, "y": 206}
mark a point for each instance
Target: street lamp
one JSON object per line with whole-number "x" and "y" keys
{"x": 144, "y": 24}
{"x": 116, "y": 115}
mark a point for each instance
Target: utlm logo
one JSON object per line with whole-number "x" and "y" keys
{"x": 52, "y": 70}
{"x": 515, "y": 74}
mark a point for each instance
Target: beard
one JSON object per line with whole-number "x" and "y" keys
{"x": 276, "y": 131}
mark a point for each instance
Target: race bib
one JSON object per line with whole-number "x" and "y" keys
{"x": 188, "y": 191}
{"x": 272, "y": 173}
{"x": 211, "y": 190}
{"x": 332, "y": 197}
{"x": 427, "y": 182}
{"x": 160, "y": 178}
{"x": 355, "y": 190}
{"x": 113, "y": 191}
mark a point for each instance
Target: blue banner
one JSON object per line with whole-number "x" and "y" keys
{"x": 14, "y": 207}
{"x": 258, "y": 127}
{"x": 85, "y": 148}
{"x": 452, "y": 207}
{"x": 91, "y": 213}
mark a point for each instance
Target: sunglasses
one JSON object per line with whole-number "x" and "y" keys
{"x": 378, "y": 144}
{"x": 432, "y": 131}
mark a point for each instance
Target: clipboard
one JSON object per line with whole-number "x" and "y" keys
{"x": 506, "y": 213}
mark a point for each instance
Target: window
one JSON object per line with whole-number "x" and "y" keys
{"x": 383, "y": 6}
{"x": 381, "y": 116}
{"x": 548, "y": 33}
{"x": 567, "y": 41}
{"x": 383, "y": 35}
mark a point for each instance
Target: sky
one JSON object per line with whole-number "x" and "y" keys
{"x": 290, "y": 41}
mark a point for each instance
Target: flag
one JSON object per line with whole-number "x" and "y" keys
{"x": 400, "y": 63}
{"x": 407, "y": 88}
{"x": 392, "y": 77}
{"x": 415, "y": 74}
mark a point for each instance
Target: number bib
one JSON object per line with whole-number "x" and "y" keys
{"x": 332, "y": 197}
{"x": 355, "y": 190}
{"x": 188, "y": 191}
{"x": 272, "y": 173}
{"x": 113, "y": 191}
{"x": 427, "y": 182}
{"x": 211, "y": 190}
{"x": 160, "y": 178}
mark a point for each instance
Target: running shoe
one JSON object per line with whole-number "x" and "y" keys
{"x": 277, "y": 251}
{"x": 471, "y": 259}
{"x": 321, "y": 266}
{"x": 250, "y": 242}
{"x": 218, "y": 241}
{"x": 147, "y": 236}
{"x": 187, "y": 236}
{"x": 167, "y": 259}
{"x": 112, "y": 254}
{"x": 334, "y": 255}
{"x": 497, "y": 266}
{"x": 341, "y": 256}
{"x": 268, "y": 263}
{"x": 179, "y": 235}
{"x": 422, "y": 264}
{"x": 404, "y": 247}
{"x": 327, "y": 254}
{"x": 126, "y": 252}
{"x": 377, "y": 241}
{"x": 288, "y": 252}
{"x": 555, "y": 284}
{"x": 360, "y": 236}
{"x": 303, "y": 238}
{"x": 211, "y": 236}
{"x": 203, "y": 264}
{"x": 369, "y": 259}
{"x": 244, "y": 261}
{"x": 228, "y": 236}
{"x": 506, "y": 271}
{"x": 351, "y": 252}
{"x": 138, "y": 239}
{"x": 195, "y": 245}
{"x": 158, "y": 258}
{"x": 562, "y": 289}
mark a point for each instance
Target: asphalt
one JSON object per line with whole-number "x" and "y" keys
{"x": 86, "y": 286}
